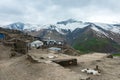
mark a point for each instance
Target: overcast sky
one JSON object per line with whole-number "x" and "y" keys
{"x": 51, "y": 11}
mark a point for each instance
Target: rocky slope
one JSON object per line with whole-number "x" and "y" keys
{"x": 107, "y": 36}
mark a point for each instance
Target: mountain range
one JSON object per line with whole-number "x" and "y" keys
{"x": 83, "y": 36}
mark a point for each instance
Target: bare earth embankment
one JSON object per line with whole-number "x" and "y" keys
{"x": 19, "y": 68}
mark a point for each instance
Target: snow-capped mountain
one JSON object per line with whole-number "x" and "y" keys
{"x": 106, "y": 36}
{"x": 34, "y": 27}
{"x": 69, "y": 24}
{"x": 24, "y": 27}
{"x": 16, "y": 26}
{"x": 69, "y": 27}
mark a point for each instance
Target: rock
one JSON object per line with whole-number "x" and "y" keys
{"x": 30, "y": 58}
{"x": 110, "y": 56}
{"x": 12, "y": 54}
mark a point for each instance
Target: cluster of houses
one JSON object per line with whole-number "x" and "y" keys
{"x": 22, "y": 45}
{"x": 46, "y": 43}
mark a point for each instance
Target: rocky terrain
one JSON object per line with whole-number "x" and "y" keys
{"x": 20, "y": 68}
{"x": 38, "y": 64}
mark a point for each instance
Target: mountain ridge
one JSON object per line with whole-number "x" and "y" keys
{"x": 73, "y": 32}
{"x": 67, "y": 24}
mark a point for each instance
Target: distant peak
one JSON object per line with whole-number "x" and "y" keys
{"x": 69, "y": 21}
{"x": 18, "y": 23}
{"x": 52, "y": 27}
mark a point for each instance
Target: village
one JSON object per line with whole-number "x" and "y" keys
{"x": 25, "y": 57}
{"x": 22, "y": 45}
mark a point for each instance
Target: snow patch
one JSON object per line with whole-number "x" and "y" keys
{"x": 100, "y": 32}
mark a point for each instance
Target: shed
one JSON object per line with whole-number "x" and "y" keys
{"x": 55, "y": 49}
{"x": 49, "y": 42}
{"x": 21, "y": 46}
{"x": 36, "y": 44}
{"x": 18, "y": 45}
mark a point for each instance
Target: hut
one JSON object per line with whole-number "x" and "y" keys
{"x": 21, "y": 46}
{"x": 18, "y": 45}
{"x": 55, "y": 49}
{"x": 60, "y": 43}
{"x": 49, "y": 42}
{"x": 36, "y": 44}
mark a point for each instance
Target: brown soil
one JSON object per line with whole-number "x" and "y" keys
{"x": 19, "y": 68}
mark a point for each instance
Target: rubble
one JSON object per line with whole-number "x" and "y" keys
{"x": 66, "y": 62}
{"x": 110, "y": 56}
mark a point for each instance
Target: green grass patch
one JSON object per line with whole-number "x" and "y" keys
{"x": 118, "y": 54}
{"x": 95, "y": 45}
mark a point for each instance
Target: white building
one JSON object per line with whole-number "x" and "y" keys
{"x": 36, "y": 44}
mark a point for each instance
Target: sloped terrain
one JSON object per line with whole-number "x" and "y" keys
{"x": 20, "y": 68}
{"x": 91, "y": 41}
{"x": 95, "y": 44}
{"x": 109, "y": 68}
{"x": 105, "y": 36}
{"x": 4, "y": 52}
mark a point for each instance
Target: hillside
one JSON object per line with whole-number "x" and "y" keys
{"x": 20, "y": 68}
{"x": 42, "y": 66}
{"x": 91, "y": 41}
{"x": 96, "y": 45}
{"x": 83, "y": 36}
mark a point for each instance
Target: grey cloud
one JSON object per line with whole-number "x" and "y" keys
{"x": 41, "y": 11}
{"x": 86, "y": 2}
{"x": 72, "y": 3}
{"x": 100, "y": 4}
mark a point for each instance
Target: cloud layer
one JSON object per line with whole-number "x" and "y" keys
{"x": 51, "y": 11}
